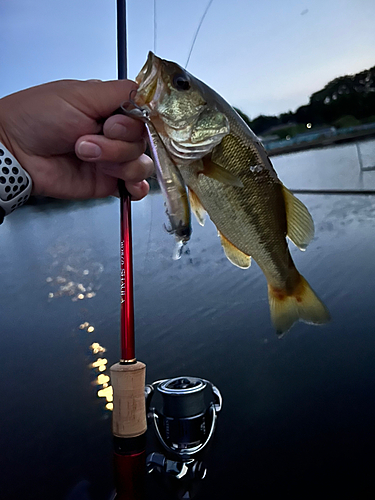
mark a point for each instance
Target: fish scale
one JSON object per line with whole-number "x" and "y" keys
{"x": 243, "y": 220}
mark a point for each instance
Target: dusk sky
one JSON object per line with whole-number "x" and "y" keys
{"x": 263, "y": 57}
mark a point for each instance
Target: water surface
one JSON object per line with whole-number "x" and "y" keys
{"x": 298, "y": 412}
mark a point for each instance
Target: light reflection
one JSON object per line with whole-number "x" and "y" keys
{"x": 102, "y": 379}
{"x": 96, "y": 347}
{"x": 75, "y": 289}
{"x": 106, "y": 393}
{"x": 99, "y": 363}
{"x": 86, "y": 326}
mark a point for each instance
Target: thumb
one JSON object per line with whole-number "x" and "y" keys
{"x": 100, "y": 99}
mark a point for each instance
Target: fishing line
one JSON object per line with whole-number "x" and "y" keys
{"x": 363, "y": 192}
{"x": 196, "y": 33}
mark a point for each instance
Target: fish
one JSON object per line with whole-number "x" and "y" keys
{"x": 230, "y": 177}
{"x": 169, "y": 179}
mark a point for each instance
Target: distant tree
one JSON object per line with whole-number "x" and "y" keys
{"x": 349, "y": 95}
{"x": 286, "y": 118}
{"x": 263, "y": 123}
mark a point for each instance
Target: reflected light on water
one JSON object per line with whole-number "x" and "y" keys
{"x": 65, "y": 286}
{"x": 86, "y": 326}
{"x": 106, "y": 393}
{"x": 102, "y": 379}
{"x": 99, "y": 363}
{"x": 96, "y": 347}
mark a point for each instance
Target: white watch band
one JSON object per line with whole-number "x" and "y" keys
{"x": 15, "y": 183}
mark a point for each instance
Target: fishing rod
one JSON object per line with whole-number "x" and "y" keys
{"x": 186, "y": 423}
{"x": 128, "y": 375}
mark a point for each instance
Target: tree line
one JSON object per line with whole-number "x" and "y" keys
{"x": 344, "y": 101}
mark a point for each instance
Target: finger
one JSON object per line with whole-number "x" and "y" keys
{"x": 100, "y": 99}
{"x": 123, "y": 128}
{"x": 138, "y": 190}
{"x": 99, "y": 148}
{"x": 132, "y": 171}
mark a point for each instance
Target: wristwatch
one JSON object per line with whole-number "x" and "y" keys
{"x": 15, "y": 183}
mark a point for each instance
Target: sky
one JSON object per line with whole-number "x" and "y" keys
{"x": 265, "y": 57}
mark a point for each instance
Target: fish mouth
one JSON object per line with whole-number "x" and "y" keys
{"x": 147, "y": 80}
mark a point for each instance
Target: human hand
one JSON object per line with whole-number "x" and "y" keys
{"x": 63, "y": 134}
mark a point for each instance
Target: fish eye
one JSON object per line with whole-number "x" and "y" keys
{"x": 181, "y": 82}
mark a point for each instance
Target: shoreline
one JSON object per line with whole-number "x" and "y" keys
{"x": 322, "y": 142}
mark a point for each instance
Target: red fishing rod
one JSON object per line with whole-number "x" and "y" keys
{"x": 128, "y": 376}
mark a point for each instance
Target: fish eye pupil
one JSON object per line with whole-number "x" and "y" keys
{"x": 180, "y": 82}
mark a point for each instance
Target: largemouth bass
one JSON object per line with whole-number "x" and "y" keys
{"x": 230, "y": 176}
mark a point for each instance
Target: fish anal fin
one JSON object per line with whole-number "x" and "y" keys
{"x": 233, "y": 254}
{"x": 197, "y": 208}
{"x": 302, "y": 304}
{"x": 300, "y": 226}
{"x": 219, "y": 173}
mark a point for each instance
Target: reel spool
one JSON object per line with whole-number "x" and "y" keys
{"x": 184, "y": 413}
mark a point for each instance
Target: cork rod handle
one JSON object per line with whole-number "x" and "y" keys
{"x": 129, "y": 405}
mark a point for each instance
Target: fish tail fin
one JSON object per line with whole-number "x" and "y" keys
{"x": 301, "y": 304}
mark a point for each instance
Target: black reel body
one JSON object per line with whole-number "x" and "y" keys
{"x": 184, "y": 413}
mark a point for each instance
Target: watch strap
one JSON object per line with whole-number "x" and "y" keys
{"x": 15, "y": 183}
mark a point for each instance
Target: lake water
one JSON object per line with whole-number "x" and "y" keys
{"x": 298, "y": 415}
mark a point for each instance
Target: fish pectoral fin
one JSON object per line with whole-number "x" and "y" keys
{"x": 300, "y": 226}
{"x": 234, "y": 255}
{"x": 219, "y": 173}
{"x": 197, "y": 208}
{"x": 302, "y": 304}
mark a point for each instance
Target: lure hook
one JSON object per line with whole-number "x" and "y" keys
{"x": 137, "y": 112}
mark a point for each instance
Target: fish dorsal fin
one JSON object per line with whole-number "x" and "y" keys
{"x": 234, "y": 255}
{"x": 196, "y": 207}
{"x": 299, "y": 221}
{"x": 215, "y": 171}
